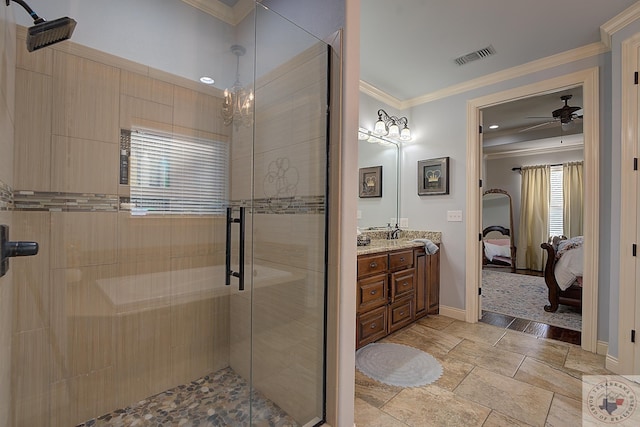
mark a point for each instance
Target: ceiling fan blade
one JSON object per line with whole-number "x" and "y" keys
{"x": 538, "y": 126}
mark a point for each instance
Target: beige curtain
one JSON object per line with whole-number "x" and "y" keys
{"x": 572, "y": 191}
{"x": 534, "y": 217}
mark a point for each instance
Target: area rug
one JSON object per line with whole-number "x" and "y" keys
{"x": 524, "y": 296}
{"x": 398, "y": 365}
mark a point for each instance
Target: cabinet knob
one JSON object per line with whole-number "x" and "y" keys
{"x": 405, "y": 284}
{"x": 373, "y": 292}
{"x": 373, "y": 265}
{"x": 402, "y": 313}
{"x": 401, "y": 259}
{"x": 373, "y": 326}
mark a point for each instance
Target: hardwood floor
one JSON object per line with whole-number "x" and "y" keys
{"x": 527, "y": 326}
{"x": 530, "y": 327}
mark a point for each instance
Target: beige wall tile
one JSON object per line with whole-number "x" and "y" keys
{"x": 143, "y": 355}
{"x": 78, "y": 83}
{"x": 31, "y": 377}
{"x": 144, "y": 87}
{"x": 83, "y": 397}
{"x": 84, "y": 166}
{"x": 6, "y": 316}
{"x": 6, "y": 143}
{"x": 83, "y": 238}
{"x": 31, "y": 274}
{"x": 82, "y": 321}
{"x": 143, "y": 238}
{"x": 32, "y": 411}
{"x": 196, "y": 110}
{"x": 39, "y": 61}
{"x": 192, "y": 236}
{"x": 140, "y": 113}
{"x": 33, "y": 142}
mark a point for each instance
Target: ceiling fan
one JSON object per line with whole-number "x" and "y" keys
{"x": 565, "y": 116}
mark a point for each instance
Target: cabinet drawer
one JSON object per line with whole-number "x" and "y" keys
{"x": 371, "y": 264}
{"x": 401, "y": 314}
{"x": 402, "y": 283}
{"x": 371, "y": 326}
{"x": 372, "y": 292}
{"x": 402, "y": 259}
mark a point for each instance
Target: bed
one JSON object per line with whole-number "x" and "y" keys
{"x": 497, "y": 249}
{"x": 563, "y": 271}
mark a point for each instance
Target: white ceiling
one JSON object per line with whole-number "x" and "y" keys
{"x": 408, "y": 48}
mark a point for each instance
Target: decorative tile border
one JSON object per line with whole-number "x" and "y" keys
{"x": 64, "y": 202}
{"x": 285, "y": 205}
{"x": 6, "y": 197}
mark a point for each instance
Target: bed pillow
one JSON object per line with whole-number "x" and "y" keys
{"x": 568, "y": 267}
{"x": 491, "y": 251}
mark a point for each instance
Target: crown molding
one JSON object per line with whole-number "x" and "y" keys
{"x": 380, "y": 95}
{"x": 607, "y": 30}
{"x": 615, "y": 24}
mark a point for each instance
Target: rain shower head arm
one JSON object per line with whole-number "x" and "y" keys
{"x": 36, "y": 18}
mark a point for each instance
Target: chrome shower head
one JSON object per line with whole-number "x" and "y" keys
{"x": 45, "y": 33}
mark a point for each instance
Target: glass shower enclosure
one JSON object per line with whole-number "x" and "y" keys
{"x": 181, "y": 273}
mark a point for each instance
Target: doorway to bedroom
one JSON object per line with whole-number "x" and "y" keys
{"x": 510, "y": 161}
{"x": 527, "y": 145}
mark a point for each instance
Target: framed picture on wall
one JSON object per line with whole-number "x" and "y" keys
{"x": 371, "y": 181}
{"x": 433, "y": 176}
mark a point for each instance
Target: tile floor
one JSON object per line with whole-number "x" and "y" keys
{"x": 493, "y": 376}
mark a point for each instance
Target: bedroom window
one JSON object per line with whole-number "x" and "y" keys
{"x": 556, "y": 203}
{"x": 176, "y": 174}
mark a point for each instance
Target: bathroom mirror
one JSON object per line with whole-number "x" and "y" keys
{"x": 380, "y": 211}
{"x": 497, "y": 230}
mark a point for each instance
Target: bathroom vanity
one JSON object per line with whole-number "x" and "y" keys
{"x": 398, "y": 283}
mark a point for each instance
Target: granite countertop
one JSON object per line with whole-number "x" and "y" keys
{"x": 379, "y": 242}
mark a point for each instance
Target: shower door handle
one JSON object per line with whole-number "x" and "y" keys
{"x": 229, "y": 272}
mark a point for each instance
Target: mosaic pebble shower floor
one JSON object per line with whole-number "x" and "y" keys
{"x": 218, "y": 399}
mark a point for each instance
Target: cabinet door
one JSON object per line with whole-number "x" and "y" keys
{"x": 372, "y": 264}
{"x": 371, "y": 326}
{"x": 372, "y": 292}
{"x": 433, "y": 283}
{"x": 402, "y": 284}
{"x": 421, "y": 283}
{"x": 401, "y": 313}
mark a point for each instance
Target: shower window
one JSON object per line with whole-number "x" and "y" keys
{"x": 174, "y": 174}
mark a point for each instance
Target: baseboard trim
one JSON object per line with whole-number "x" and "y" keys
{"x": 611, "y": 363}
{"x": 454, "y": 313}
{"x": 602, "y": 347}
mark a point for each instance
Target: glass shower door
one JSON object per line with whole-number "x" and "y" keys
{"x": 288, "y": 220}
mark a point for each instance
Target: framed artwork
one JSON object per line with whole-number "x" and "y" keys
{"x": 433, "y": 176}
{"x": 371, "y": 182}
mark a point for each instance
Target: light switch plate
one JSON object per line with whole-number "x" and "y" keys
{"x": 404, "y": 222}
{"x": 359, "y": 214}
{"x": 454, "y": 216}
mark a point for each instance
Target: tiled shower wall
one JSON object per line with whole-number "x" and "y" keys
{"x": 102, "y": 318}
{"x": 101, "y": 315}
{"x": 7, "y": 96}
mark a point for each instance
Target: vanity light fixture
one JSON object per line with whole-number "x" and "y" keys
{"x": 370, "y": 137}
{"x": 237, "y": 107}
{"x": 390, "y": 126}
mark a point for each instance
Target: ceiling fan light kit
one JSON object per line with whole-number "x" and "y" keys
{"x": 566, "y": 115}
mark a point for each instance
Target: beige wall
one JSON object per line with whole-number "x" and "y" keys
{"x": 7, "y": 96}
{"x": 114, "y": 308}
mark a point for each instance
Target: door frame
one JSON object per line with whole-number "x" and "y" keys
{"x": 588, "y": 79}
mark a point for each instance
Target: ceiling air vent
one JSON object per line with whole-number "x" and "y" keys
{"x": 478, "y": 54}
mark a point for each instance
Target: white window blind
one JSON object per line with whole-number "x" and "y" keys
{"x": 556, "y": 202}
{"x": 172, "y": 174}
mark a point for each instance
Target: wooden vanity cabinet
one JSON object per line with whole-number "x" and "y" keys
{"x": 394, "y": 289}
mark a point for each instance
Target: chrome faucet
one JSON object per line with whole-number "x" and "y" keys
{"x": 393, "y": 233}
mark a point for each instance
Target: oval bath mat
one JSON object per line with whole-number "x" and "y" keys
{"x": 398, "y": 365}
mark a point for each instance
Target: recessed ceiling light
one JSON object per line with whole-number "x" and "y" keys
{"x": 207, "y": 80}
{"x": 494, "y": 127}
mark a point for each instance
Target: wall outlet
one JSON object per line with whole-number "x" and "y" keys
{"x": 359, "y": 214}
{"x": 454, "y": 216}
{"x": 404, "y": 222}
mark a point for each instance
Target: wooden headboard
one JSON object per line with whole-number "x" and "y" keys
{"x": 499, "y": 228}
